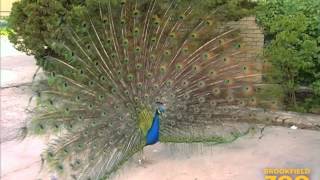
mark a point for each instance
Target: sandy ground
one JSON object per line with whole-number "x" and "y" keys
{"x": 244, "y": 159}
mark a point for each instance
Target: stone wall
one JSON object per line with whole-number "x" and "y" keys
{"x": 252, "y": 35}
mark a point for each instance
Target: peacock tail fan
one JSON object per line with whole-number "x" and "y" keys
{"x": 112, "y": 61}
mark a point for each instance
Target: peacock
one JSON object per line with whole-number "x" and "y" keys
{"x": 119, "y": 76}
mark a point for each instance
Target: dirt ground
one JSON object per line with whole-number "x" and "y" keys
{"x": 244, "y": 159}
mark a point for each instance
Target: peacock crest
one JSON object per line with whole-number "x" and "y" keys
{"x": 112, "y": 63}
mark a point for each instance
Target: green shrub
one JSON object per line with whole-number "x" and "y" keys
{"x": 292, "y": 36}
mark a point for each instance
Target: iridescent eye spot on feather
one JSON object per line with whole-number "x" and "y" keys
{"x": 212, "y": 74}
{"x": 139, "y": 66}
{"x": 59, "y": 168}
{"x": 226, "y": 60}
{"x": 136, "y": 31}
{"x": 169, "y": 83}
{"x": 201, "y": 84}
{"x": 179, "y": 116}
{"x": 126, "y": 60}
{"x": 196, "y": 109}
{"x": 213, "y": 103}
{"x": 167, "y": 52}
{"x": 228, "y": 81}
{"x": 202, "y": 99}
{"x": 78, "y": 98}
{"x": 172, "y": 35}
{"x": 56, "y": 126}
{"x": 119, "y": 73}
{"x": 156, "y": 22}
{"x": 80, "y": 146}
{"x": 195, "y": 68}
{"x": 88, "y": 46}
{"x": 152, "y": 57}
{"x": 237, "y": 45}
{"x": 105, "y": 20}
{"x": 136, "y": 13}
{"x": 41, "y": 126}
{"x": 70, "y": 126}
{"x": 163, "y": 69}
{"x": 123, "y": 2}
{"x": 248, "y": 90}
{"x": 137, "y": 49}
{"x": 186, "y": 96}
{"x": 80, "y": 117}
{"x": 50, "y": 155}
{"x": 153, "y": 39}
{"x": 90, "y": 106}
{"x": 125, "y": 42}
{"x": 182, "y": 17}
{"x": 84, "y": 24}
{"x": 194, "y": 35}
{"x": 123, "y": 21}
{"x": 208, "y": 115}
{"x": 66, "y": 110}
{"x": 81, "y": 72}
{"x": 245, "y": 69}
{"x": 113, "y": 90}
{"x": 139, "y": 85}
{"x": 113, "y": 55}
{"x": 216, "y": 91}
{"x": 101, "y": 97}
{"x": 178, "y": 66}
{"x": 253, "y": 101}
{"x": 191, "y": 118}
{"x": 91, "y": 83}
{"x": 205, "y": 56}
{"x": 109, "y": 41}
{"x": 103, "y": 78}
{"x": 116, "y": 107}
{"x": 209, "y": 22}
{"x": 130, "y": 77}
{"x": 230, "y": 98}
{"x": 242, "y": 103}
{"x": 156, "y": 87}
{"x": 235, "y": 118}
{"x": 185, "y": 50}
{"x": 96, "y": 63}
{"x": 172, "y": 123}
{"x": 149, "y": 75}
{"x": 185, "y": 83}
{"x": 126, "y": 92}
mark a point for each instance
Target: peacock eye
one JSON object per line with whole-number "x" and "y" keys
{"x": 182, "y": 17}
{"x": 135, "y": 12}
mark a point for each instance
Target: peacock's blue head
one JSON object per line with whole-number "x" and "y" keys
{"x": 160, "y": 108}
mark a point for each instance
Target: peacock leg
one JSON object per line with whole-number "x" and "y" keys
{"x": 141, "y": 157}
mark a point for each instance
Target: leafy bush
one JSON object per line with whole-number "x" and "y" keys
{"x": 292, "y": 35}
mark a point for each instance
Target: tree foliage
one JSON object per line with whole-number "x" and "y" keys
{"x": 292, "y": 34}
{"x": 35, "y": 22}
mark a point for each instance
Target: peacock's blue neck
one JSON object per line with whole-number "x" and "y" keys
{"x": 153, "y": 132}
